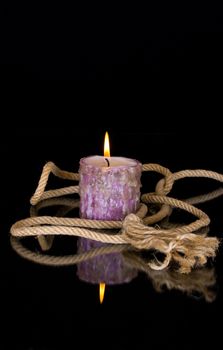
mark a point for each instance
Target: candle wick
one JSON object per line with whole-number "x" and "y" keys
{"x": 107, "y": 162}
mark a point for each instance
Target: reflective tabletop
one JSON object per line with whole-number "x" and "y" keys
{"x": 61, "y": 292}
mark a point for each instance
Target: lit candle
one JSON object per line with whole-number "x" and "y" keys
{"x": 109, "y": 186}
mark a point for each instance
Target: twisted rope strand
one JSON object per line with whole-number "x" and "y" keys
{"x": 50, "y": 167}
{"x": 176, "y": 203}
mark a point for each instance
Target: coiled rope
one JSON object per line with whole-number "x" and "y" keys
{"x": 178, "y": 244}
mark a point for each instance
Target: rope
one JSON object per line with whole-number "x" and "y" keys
{"x": 50, "y": 167}
{"x": 179, "y": 244}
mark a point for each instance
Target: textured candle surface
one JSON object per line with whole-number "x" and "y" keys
{"x": 109, "y": 268}
{"x": 109, "y": 192}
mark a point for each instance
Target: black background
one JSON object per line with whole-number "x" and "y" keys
{"x": 161, "y": 66}
{"x": 110, "y": 41}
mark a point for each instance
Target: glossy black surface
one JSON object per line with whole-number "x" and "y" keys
{"x": 44, "y": 307}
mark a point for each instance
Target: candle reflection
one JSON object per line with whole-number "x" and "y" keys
{"x": 102, "y": 292}
{"x": 103, "y": 270}
{"x": 110, "y": 268}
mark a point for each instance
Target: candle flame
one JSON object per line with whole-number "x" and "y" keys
{"x": 107, "y": 146}
{"x": 102, "y": 292}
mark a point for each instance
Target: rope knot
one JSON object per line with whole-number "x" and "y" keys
{"x": 135, "y": 232}
{"x": 131, "y": 219}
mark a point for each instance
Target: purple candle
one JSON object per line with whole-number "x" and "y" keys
{"x": 109, "y": 187}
